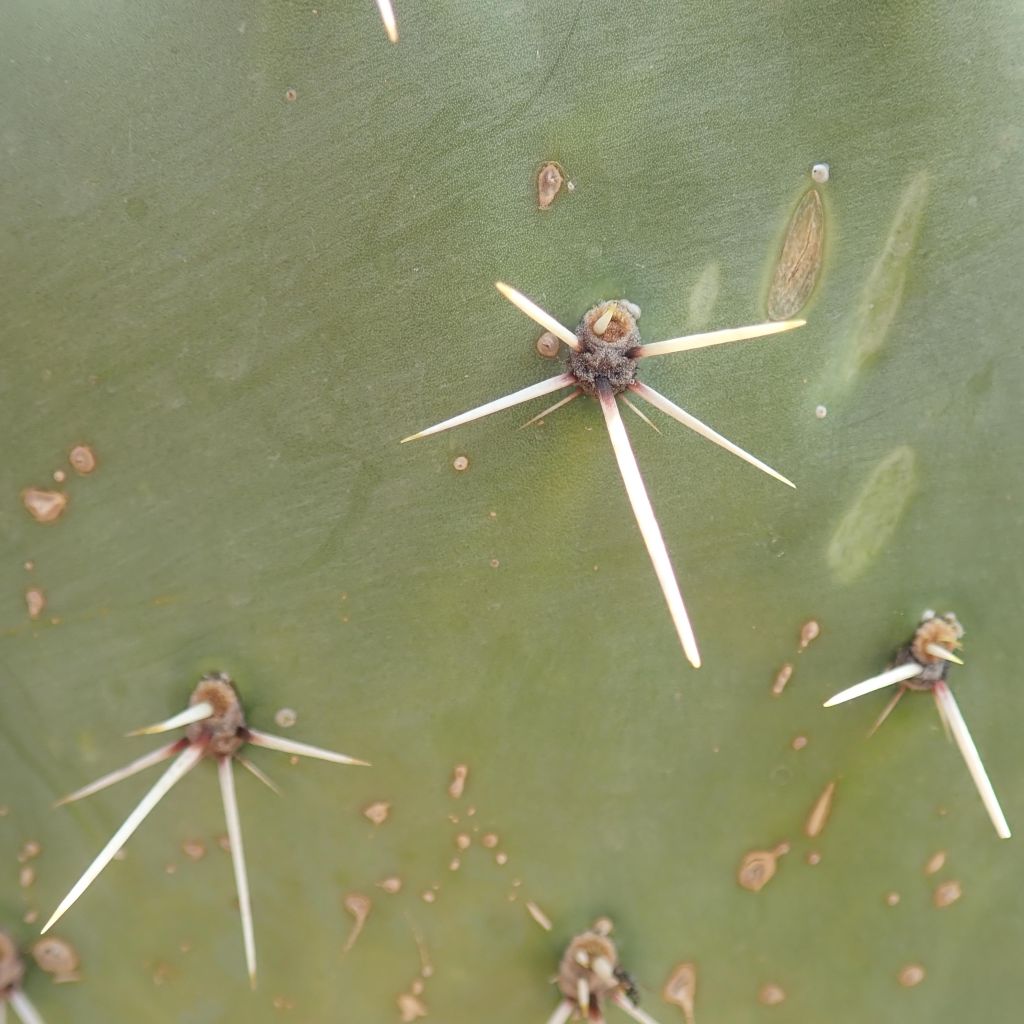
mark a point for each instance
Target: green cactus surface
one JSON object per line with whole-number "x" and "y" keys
{"x": 249, "y": 246}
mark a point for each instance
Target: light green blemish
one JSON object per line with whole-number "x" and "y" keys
{"x": 703, "y": 296}
{"x": 883, "y": 292}
{"x": 872, "y": 519}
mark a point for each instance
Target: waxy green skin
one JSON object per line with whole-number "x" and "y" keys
{"x": 243, "y": 302}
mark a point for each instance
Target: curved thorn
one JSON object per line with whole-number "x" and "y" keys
{"x": 648, "y": 523}
{"x": 186, "y": 761}
{"x": 140, "y": 764}
{"x": 940, "y": 652}
{"x": 659, "y": 401}
{"x": 694, "y": 341}
{"x": 545, "y": 387}
{"x": 227, "y": 792}
{"x": 537, "y": 315}
{"x": 265, "y": 739}
{"x": 892, "y": 675}
{"x": 197, "y": 713}
{"x": 551, "y": 409}
{"x": 387, "y": 14}
{"x": 958, "y": 727}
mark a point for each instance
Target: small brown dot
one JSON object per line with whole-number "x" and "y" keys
{"x": 460, "y": 463}
{"x": 813, "y": 858}
{"x": 549, "y": 183}
{"x": 809, "y": 632}
{"x": 490, "y": 840}
{"x": 460, "y": 773}
{"x": 29, "y": 851}
{"x": 771, "y": 995}
{"x": 935, "y": 862}
{"x": 378, "y": 811}
{"x": 547, "y": 345}
{"x": 911, "y": 975}
{"x": 462, "y": 841}
{"x": 495, "y": 563}
{"x": 82, "y": 459}
{"x": 947, "y": 893}
{"x": 26, "y": 876}
{"x": 194, "y": 849}
{"x": 428, "y": 896}
{"x": 35, "y": 601}
{"x": 391, "y": 885}
{"x": 782, "y": 677}
{"x": 292, "y": 95}
{"x": 892, "y": 898}
{"x": 799, "y": 742}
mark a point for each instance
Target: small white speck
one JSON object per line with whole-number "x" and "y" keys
{"x": 821, "y": 412}
{"x": 820, "y": 173}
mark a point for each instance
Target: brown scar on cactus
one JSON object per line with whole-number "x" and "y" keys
{"x": 923, "y": 665}
{"x": 216, "y": 727}
{"x": 550, "y": 179}
{"x": 590, "y": 975}
{"x": 12, "y": 973}
{"x": 604, "y": 355}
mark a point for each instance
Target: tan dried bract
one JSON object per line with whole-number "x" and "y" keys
{"x": 799, "y": 264}
{"x": 549, "y": 183}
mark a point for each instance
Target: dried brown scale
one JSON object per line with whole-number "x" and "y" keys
{"x": 12, "y": 967}
{"x": 224, "y": 732}
{"x": 609, "y": 356}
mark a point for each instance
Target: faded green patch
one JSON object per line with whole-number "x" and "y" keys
{"x": 796, "y": 272}
{"x": 883, "y": 292}
{"x": 704, "y": 295}
{"x": 874, "y": 515}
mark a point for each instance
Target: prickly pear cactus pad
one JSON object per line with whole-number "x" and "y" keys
{"x": 248, "y": 247}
